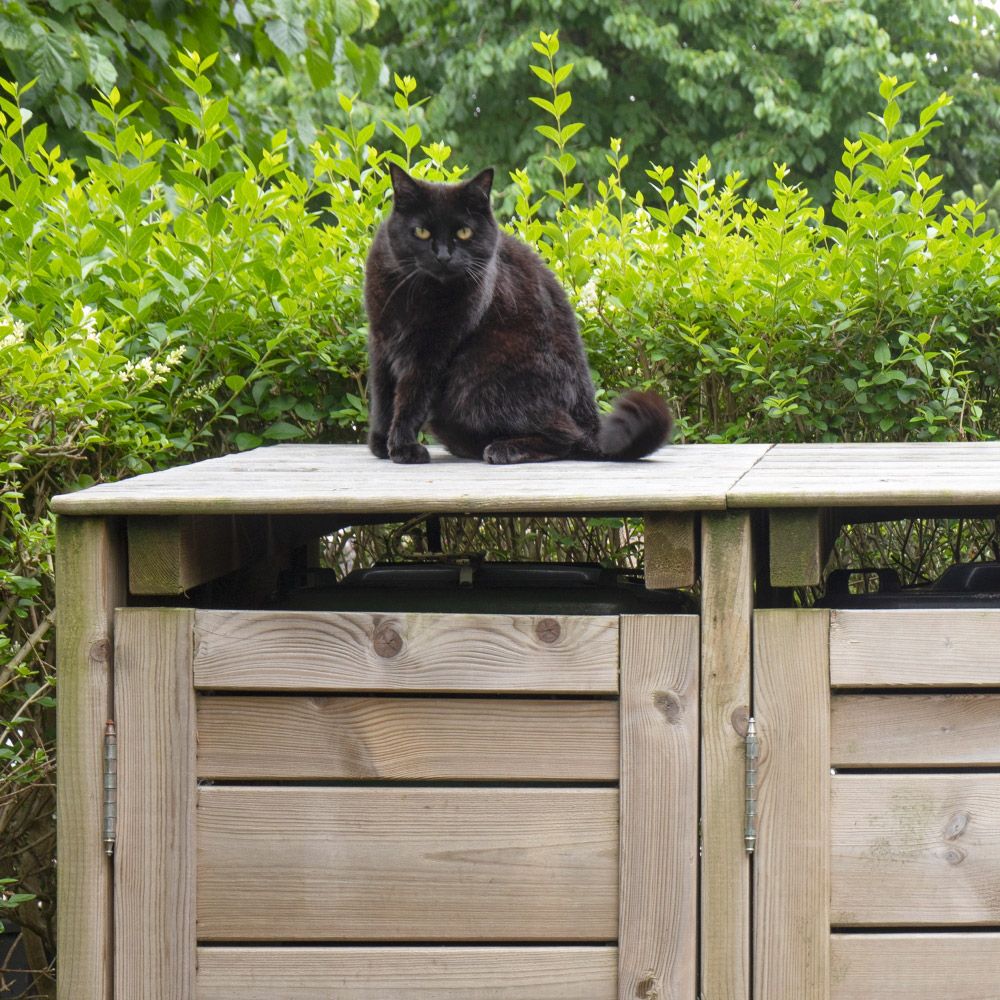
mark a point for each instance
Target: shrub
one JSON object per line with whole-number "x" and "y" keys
{"x": 169, "y": 299}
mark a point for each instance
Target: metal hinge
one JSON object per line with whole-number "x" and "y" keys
{"x": 110, "y": 813}
{"x": 750, "y": 817}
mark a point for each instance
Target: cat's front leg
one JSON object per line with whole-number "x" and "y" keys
{"x": 381, "y": 393}
{"x": 412, "y": 406}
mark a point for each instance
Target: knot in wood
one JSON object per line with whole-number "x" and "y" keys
{"x": 955, "y": 855}
{"x": 648, "y": 988}
{"x": 668, "y": 705}
{"x": 740, "y": 720}
{"x": 548, "y": 630}
{"x": 388, "y": 642}
{"x": 100, "y": 650}
{"x": 956, "y": 825}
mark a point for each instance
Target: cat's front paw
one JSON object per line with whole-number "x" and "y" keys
{"x": 377, "y": 445}
{"x": 410, "y": 454}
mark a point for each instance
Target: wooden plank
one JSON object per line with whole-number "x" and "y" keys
{"x": 914, "y": 966}
{"x": 90, "y": 582}
{"x": 942, "y": 648}
{"x": 792, "y": 861}
{"x": 154, "y": 855}
{"x": 347, "y": 479}
{"x": 169, "y": 555}
{"x": 954, "y": 473}
{"x": 916, "y": 849}
{"x": 801, "y": 541}
{"x": 408, "y": 739}
{"x": 671, "y": 550}
{"x": 345, "y": 651}
{"x": 440, "y": 973}
{"x": 658, "y": 910}
{"x": 915, "y": 730}
{"x": 408, "y": 864}
{"x": 726, "y": 598}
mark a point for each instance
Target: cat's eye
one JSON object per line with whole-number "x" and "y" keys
{"x": 421, "y": 233}
{"x": 465, "y": 233}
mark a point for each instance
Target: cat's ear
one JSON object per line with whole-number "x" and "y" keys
{"x": 482, "y": 183}
{"x": 404, "y": 188}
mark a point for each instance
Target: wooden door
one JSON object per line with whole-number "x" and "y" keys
{"x": 877, "y": 872}
{"x": 361, "y": 806}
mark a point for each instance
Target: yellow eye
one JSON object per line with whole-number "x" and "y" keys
{"x": 465, "y": 233}
{"x": 421, "y": 233}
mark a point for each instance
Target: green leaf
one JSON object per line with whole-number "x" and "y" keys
{"x": 281, "y": 430}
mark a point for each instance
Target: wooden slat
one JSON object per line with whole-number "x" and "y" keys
{"x": 90, "y": 583}
{"x": 169, "y": 555}
{"x": 912, "y": 850}
{"x": 915, "y": 648}
{"x": 659, "y": 807}
{"x": 727, "y": 594}
{"x": 792, "y": 862}
{"x": 408, "y": 864}
{"x": 950, "y": 473}
{"x": 351, "y": 651}
{"x": 801, "y": 541}
{"x": 347, "y": 479}
{"x": 440, "y": 973}
{"x": 410, "y": 739}
{"x": 671, "y": 550}
{"x": 154, "y": 855}
{"x": 915, "y": 966}
{"x": 915, "y": 730}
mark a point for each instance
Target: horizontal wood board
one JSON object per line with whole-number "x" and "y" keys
{"x": 441, "y": 973}
{"x": 348, "y": 479}
{"x": 407, "y": 864}
{"x": 929, "y": 648}
{"x": 361, "y": 651}
{"x": 915, "y": 850}
{"x": 836, "y": 475}
{"x": 915, "y": 966}
{"x": 407, "y": 739}
{"x": 915, "y": 730}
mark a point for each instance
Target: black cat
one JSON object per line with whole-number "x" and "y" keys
{"x": 471, "y": 332}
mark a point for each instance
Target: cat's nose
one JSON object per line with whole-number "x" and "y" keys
{"x": 442, "y": 252}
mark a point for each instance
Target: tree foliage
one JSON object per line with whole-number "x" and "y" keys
{"x": 749, "y": 85}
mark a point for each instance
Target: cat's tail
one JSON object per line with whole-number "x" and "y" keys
{"x": 638, "y": 424}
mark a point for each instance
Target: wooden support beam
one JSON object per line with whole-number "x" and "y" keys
{"x": 671, "y": 550}
{"x": 169, "y": 555}
{"x": 90, "y": 583}
{"x": 726, "y": 602}
{"x": 801, "y": 540}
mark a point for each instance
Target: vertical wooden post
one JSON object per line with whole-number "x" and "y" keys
{"x": 155, "y": 853}
{"x": 792, "y": 863}
{"x": 90, "y": 582}
{"x": 726, "y": 602}
{"x": 657, "y": 934}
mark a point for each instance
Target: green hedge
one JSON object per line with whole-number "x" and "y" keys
{"x": 166, "y": 300}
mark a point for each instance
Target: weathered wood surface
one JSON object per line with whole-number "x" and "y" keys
{"x": 441, "y": 973}
{"x": 155, "y": 852}
{"x": 407, "y": 864}
{"x": 915, "y": 730}
{"x": 916, "y": 849}
{"x": 671, "y": 555}
{"x": 171, "y": 554}
{"x": 90, "y": 583}
{"x": 727, "y": 595}
{"x": 915, "y": 966}
{"x": 658, "y": 921}
{"x": 360, "y": 651}
{"x": 801, "y": 541}
{"x": 792, "y": 861}
{"x": 835, "y": 475}
{"x": 407, "y": 739}
{"x": 348, "y": 479}
{"x": 915, "y": 648}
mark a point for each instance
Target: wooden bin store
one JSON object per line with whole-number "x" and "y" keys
{"x": 362, "y": 805}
